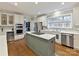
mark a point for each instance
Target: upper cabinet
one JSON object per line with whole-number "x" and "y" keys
{"x": 10, "y": 19}
{"x": 19, "y": 19}
{"x": 6, "y": 20}
{"x": 76, "y": 16}
{"x": 3, "y": 19}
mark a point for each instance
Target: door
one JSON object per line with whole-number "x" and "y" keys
{"x": 11, "y": 20}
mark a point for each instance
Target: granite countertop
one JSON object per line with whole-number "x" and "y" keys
{"x": 44, "y": 36}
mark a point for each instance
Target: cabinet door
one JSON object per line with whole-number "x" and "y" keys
{"x": 76, "y": 41}
{"x": 3, "y": 19}
{"x": 11, "y": 20}
{"x": 19, "y": 19}
{"x": 76, "y": 16}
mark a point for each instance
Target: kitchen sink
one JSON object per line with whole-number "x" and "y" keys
{"x": 37, "y": 33}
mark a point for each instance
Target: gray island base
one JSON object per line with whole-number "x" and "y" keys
{"x": 42, "y": 45}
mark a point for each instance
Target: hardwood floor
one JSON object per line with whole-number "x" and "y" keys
{"x": 20, "y": 48}
{"x": 65, "y": 51}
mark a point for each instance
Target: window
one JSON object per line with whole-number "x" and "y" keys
{"x": 60, "y": 22}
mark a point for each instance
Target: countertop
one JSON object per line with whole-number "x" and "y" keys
{"x": 44, "y": 36}
{"x": 3, "y": 45}
{"x": 63, "y": 31}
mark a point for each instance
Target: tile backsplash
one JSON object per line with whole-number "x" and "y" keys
{"x": 5, "y": 29}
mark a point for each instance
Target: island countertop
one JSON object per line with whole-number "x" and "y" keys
{"x": 44, "y": 36}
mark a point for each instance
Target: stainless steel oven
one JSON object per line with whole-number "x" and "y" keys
{"x": 19, "y": 29}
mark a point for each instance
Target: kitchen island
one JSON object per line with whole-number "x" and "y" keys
{"x": 41, "y": 44}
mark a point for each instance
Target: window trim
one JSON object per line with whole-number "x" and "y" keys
{"x": 62, "y": 15}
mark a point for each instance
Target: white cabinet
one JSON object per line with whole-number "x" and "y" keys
{"x": 3, "y": 19}
{"x": 10, "y": 19}
{"x": 19, "y": 19}
{"x": 6, "y": 19}
{"x": 76, "y": 16}
{"x": 17, "y": 37}
{"x": 76, "y": 41}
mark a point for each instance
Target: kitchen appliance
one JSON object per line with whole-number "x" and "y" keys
{"x": 19, "y": 28}
{"x": 38, "y": 26}
{"x": 67, "y": 39}
{"x": 27, "y": 26}
{"x": 10, "y": 35}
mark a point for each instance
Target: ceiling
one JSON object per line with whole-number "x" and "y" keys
{"x": 30, "y": 8}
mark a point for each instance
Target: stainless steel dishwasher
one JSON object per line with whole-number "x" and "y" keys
{"x": 10, "y": 35}
{"x": 67, "y": 39}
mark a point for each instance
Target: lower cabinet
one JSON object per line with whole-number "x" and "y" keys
{"x": 76, "y": 41}
{"x": 17, "y": 37}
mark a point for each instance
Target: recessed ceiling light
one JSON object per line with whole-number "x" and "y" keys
{"x": 62, "y": 3}
{"x": 55, "y": 9}
{"x": 15, "y": 3}
{"x": 36, "y": 3}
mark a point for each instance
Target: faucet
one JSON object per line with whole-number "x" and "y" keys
{"x": 2, "y": 29}
{"x": 39, "y": 31}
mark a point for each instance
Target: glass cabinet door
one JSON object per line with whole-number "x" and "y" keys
{"x": 3, "y": 19}
{"x": 11, "y": 20}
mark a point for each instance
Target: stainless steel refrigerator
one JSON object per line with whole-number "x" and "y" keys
{"x": 38, "y": 26}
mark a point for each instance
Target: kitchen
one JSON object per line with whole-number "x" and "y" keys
{"x": 39, "y": 28}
